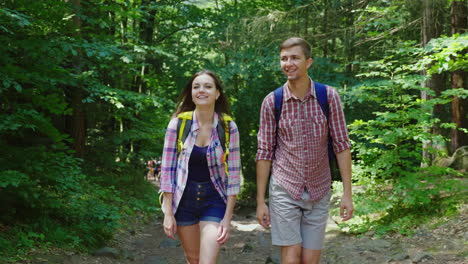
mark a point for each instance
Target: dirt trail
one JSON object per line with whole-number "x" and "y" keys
{"x": 250, "y": 243}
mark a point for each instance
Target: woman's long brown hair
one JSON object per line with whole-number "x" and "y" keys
{"x": 185, "y": 102}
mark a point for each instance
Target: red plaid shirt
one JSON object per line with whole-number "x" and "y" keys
{"x": 301, "y": 158}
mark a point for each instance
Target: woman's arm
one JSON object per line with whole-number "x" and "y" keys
{"x": 233, "y": 162}
{"x": 169, "y": 158}
{"x": 167, "y": 178}
{"x": 224, "y": 228}
{"x": 170, "y": 226}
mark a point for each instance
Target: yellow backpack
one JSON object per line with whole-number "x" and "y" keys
{"x": 183, "y": 129}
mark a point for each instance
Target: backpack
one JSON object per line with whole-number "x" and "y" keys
{"x": 183, "y": 129}
{"x": 184, "y": 125}
{"x": 322, "y": 97}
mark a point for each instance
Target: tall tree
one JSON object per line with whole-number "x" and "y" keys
{"x": 147, "y": 24}
{"x": 76, "y": 123}
{"x": 459, "y": 17}
{"x": 432, "y": 27}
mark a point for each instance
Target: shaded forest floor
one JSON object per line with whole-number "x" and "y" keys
{"x": 250, "y": 243}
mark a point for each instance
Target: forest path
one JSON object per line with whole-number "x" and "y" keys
{"x": 251, "y": 243}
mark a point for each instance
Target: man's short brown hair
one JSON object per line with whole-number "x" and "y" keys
{"x": 295, "y": 41}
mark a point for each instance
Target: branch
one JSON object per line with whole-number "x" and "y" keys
{"x": 383, "y": 35}
{"x": 175, "y": 31}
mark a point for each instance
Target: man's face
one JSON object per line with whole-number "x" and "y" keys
{"x": 293, "y": 63}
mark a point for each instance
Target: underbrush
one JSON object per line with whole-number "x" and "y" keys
{"x": 53, "y": 204}
{"x": 402, "y": 205}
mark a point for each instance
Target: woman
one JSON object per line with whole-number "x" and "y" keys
{"x": 199, "y": 191}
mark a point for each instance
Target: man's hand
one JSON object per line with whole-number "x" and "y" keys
{"x": 346, "y": 208}
{"x": 263, "y": 215}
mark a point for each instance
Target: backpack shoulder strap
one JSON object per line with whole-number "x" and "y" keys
{"x": 278, "y": 104}
{"x": 322, "y": 97}
{"x": 224, "y": 135}
{"x": 278, "y": 107}
{"x": 183, "y": 128}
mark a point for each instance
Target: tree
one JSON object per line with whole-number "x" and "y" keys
{"x": 459, "y": 15}
{"x": 432, "y": 27}
{"x": 76, "y": 122}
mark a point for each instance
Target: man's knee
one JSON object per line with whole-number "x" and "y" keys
{"x": 291, "y": 254}
{"x": 310, "y": 256}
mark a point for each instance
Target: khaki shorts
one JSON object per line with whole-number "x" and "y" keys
{"x": 293, "y": 222}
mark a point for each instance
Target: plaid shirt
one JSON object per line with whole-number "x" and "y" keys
{"x": 301, "y": 157}
{"x": 174, "y": 170}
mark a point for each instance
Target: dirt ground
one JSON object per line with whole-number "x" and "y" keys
{"x": 250, "y": 243}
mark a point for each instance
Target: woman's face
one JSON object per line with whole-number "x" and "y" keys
{"x": 204, "y": 92}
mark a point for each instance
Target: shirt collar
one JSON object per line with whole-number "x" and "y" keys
{"x": 287, "y": 94}
{"x": 196, "y": 126}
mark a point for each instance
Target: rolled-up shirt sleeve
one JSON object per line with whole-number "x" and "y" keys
{"x": 234, "y": 161}
{"x": 267, "y": 132}
{"x": 338, "y": 129}
{"x": 169, "y": 158}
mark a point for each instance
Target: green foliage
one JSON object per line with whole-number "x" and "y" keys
{"x": 446, "y": 54}
{"x": 85, "y": 98}
{"x": 396, "y": 193}
{"x": 48, "y": 196}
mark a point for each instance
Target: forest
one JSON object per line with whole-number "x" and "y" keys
{"x": 87, "y": 88}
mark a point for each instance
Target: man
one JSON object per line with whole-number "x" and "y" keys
{"x": 296, "y": 152}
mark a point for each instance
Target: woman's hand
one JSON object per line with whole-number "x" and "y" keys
{"x": 224, "y": 231}
{"x": 170, "y": 226}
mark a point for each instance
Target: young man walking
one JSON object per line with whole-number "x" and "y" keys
{"x": 295, "y": 149}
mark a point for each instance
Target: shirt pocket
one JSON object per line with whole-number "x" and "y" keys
{"x": 286, "y": 129}
{"x": 319, "y": 126}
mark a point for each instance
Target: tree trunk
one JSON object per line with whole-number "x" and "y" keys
{"x": 459, "y": 80}
{"x": 76, "y": 123}
{"x": 349, "y": 37}
{"x": 306, "y": 22}
{"x": 432, "y": 28}
{"x": 146, "y": 35}
{"x": 325, "y": 28}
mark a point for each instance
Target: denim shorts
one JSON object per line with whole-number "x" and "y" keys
{"x": 200, "y": 202}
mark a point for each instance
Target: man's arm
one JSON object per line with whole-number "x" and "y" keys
{"x": 344, "y": 162}
{"x": 265, "y": 150}
{"x": 263, "y": 173}
{"x": 341, "y": 146}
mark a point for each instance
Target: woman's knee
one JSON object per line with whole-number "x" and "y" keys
{"x": 192, "y": 258}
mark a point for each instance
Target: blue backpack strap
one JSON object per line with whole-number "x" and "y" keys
{"x": 322, "y": 97}
{"x": 278, "y": 107}
{"x": 278, "y": 104}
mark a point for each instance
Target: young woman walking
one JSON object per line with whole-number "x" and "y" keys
{"x": 200, "y": 174}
